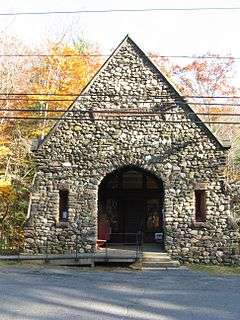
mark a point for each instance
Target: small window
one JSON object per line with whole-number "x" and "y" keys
{"x": 200, "y": 205}
{"x": 63, "y": 205}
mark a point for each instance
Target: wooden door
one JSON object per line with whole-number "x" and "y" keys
{"x": 153, "y": 219}
{"x": 133, "y": 218}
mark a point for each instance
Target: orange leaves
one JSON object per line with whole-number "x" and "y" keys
{"x": 64, "y": 72}
{"x": 6, "y": 190}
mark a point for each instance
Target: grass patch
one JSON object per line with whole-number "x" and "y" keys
{"x": 215, "y": 269}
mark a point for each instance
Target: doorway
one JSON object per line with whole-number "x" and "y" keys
{"x": 130, "y": 201}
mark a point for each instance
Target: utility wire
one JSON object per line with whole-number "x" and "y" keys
{"x": 211, "y": 97}
{"x": 114, "y": 95}
{"x": 139, "y": 101}
{"x": 54, "y": 55}
{"x": 119, "y": 118}
{"x": 121, "y": 10}
{"x": 16, "y": 55}
{"x": 34, "y": 99}
{"x": 122, "y": 112}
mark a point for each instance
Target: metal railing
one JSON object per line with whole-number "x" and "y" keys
{"x": 124, "y": 245}
{"x": 120, "y": 247}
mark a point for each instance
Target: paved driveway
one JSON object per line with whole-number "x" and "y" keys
{"x": 69, "y": 293}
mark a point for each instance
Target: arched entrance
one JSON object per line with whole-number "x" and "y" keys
{"x": 131, "y": 200}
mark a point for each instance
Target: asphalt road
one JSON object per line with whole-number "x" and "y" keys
{"x": 69, "y": 293}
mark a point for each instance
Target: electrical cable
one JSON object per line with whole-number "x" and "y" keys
{"x": 115, "y": 95}
{"x": 43, "y": 55}
{"x": 92, "y": 119}
{"x": 124, "y": 112}
{"x": 120, "y": 11}
{"x": 139, "y": 101}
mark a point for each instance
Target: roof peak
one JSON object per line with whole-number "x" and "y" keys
{"x": 159, "y": 74}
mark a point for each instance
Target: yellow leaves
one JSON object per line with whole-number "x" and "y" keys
{"x": 38, "y": 132}
{"x": 7, "y": 193}
{"x": 65, "y": 71}
{"x": 5, "y": 151}
{"x": 5, "y": 187}
{"x": 4, "y": 183}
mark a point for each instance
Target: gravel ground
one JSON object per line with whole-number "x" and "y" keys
{"x": 38, "y": 292}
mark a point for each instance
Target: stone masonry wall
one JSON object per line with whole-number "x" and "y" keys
{"x": 83, "y": 148}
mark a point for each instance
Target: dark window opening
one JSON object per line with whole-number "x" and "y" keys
{"x": 63, "y": 205}
{"x": 200, "y": 205}
{"x": 132, "y": 180}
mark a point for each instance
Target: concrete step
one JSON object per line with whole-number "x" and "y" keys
{"x": 158, "y": 260}
{"x": 159, "y": 268}
{"x": 155, "y": 259}
{"x": 155, "y": 255}
{"x": 162, "y": 264}
{"x": 158, "y": 254}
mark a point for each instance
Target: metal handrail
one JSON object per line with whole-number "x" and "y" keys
{"x": 137, "y": 244}
{"x": 49, "y": 251}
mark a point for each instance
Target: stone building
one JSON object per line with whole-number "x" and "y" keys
{"x": 130, "y": 155}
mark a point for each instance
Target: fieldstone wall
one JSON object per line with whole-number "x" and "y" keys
{"x": 85, "y": 146}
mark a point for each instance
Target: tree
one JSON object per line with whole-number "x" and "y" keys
{"x": 204, "y": 77}
{"x": 53, "y": 74}
{"x": 65, "y": 72}
{"x": 14, "y": 75}
{"x": 209, "y": 77}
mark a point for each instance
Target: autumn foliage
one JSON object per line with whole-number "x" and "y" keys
{"x": 65, "y": 71}
{"x": 207, "y": 84}
{"x": 59, "y": 75}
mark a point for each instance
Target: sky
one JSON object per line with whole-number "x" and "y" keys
{"x": 164, "y": 32}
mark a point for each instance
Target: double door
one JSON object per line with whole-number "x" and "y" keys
{"x": 141, "y": 214}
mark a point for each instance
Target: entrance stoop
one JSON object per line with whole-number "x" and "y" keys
{"x": 158, "y": 260}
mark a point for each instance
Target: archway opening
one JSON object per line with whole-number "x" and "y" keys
{"x": 130, "y": 202}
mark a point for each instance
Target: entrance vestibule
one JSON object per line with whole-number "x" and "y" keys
{"x": 130, "y": 202}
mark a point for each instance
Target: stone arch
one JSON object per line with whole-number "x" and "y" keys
{"x": 131, "y": 200}
{"x": 139, "y": 165}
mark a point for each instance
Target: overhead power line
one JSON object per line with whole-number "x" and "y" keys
{"x": 211, "y": 97}
{"x": 112, "y": 95}
{"x": 53, "y": 55}
{"x": 43, "y": 55}
{"x": 165, "y": 103}
{"x": 120, "y": 11}
{"x": 122, "y": 112}
{"x": 119, "y": 118}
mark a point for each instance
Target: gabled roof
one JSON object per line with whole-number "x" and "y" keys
{"x": 184, "y": 104}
